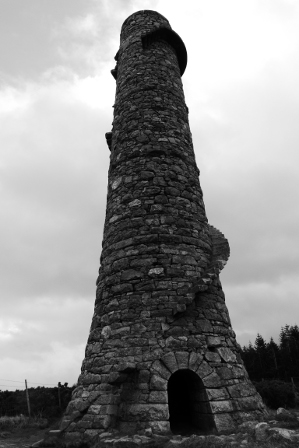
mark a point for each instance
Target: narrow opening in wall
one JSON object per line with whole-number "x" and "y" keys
{"x": 189, "y": 409}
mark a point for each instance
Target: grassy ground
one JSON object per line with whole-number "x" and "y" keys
{"x": 21, "y": 431}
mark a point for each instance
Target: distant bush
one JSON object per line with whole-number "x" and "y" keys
{"x": 276, "y": 394}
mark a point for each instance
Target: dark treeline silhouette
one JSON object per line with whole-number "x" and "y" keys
{"x": 47, "y": 402}
{"x": 268, "y": 360}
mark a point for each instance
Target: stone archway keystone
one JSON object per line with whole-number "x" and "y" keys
{"x": 182, "y": 360}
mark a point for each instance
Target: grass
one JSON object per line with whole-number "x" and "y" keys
{"x": 21, "y": 422}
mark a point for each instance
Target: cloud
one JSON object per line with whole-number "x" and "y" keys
{"x": 250, "y": 176}
{"x": 54, "y": 167}
{"x": 43, "y": 339}
{"x": 88, "y": 41}
{"x": 255, "y": 309}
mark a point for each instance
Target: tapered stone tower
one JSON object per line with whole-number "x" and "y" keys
{"x": 161, "y": 353}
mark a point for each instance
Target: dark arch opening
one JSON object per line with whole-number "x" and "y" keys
{"x": 189, "y": 408}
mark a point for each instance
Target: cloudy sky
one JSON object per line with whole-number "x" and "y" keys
{"x": 56, "y": 96}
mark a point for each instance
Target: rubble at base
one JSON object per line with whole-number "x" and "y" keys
{"x": 250, "y": 433}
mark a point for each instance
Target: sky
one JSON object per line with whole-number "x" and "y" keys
{"x": 56, "y": 96}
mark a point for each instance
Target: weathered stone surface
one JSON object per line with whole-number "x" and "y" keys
{"x": 203, "y": 369}
{"x": 221, "y": 406}
{"x": 212, "y": 380}
{"x": 212, "y": 357}
{"x": 261, "y": 431}
{"x": 226, "y": 354}
{"x": 217, "y": 394}
{"x": 282, "y": 412}
{"x": 275, "y": 436}
{"x": 170, "y": 362}
{"x": 147, "y": 412}
{"x": 224, "y": 422}
{"x": 243, "y": 389}
{"x": 214, "y": 341}
{"x": 182, "y": 360}
{"x": 279, "y": 434}
{"x": 195, "y": 360}
{"x": 158, "y": 383}
{"x": 161, "y": 370}
{"x": 160, "y": 312}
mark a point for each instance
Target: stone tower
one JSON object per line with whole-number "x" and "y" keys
{"x": 161, "y": 353}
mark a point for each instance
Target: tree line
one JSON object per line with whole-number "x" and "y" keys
{"x": 47, "y": 402}
{"x": 270, "y": 361}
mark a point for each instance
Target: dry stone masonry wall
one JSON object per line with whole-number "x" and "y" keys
{"x": 161, "y": 353}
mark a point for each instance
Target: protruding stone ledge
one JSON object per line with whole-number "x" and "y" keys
{"x": 173, "y": 39}
{"x": 108, "y": 136}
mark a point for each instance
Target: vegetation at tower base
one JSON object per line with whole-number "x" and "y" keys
{"x": 160, "y": 322}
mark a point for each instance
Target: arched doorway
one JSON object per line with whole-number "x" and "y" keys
{"x": 189, "y": 409}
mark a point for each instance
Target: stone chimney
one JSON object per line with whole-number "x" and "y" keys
{"x": 161, "y": 355}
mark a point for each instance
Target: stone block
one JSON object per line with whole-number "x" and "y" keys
{"x": 212, "y": 357}
{"x": 94, "y": 409}
{"x": 221, "y": 406}
{"x": 182, "y": 359}
{"x": 212, "y": 380}
{"x": 243, "y": 389}
{"x": 214, "y": 341}
{"x": 158, "y": 397}
{"x": 195, "y": 360}
{"x": 217, "y": 394}
{"x": 117, "y": 378}
{"x": 161, "y": 370}
{"x": 91, "y": 435}
{"x": 131, "y": 274}
{"x": 224, "y": 422}
{"x": 122, "y": 288}
{"x": 225, "y": 373}
{"x": 80, "y": 405}
{"x": 106, "y": 422}
{"x": 127, "y": 367}
{"x": 158, "y": 383}
{"x": 108, "y": 399}
{"x": 261, "y": 431}
{"x": 203, "y": 369}
{"x": 239, "y": 371}
{"x": 147, "y": 412}
{"x": 247, "y": 403}
{"x": 160, "y": 427}
{"x": 282, "y": 434}
{"x": 170, "y": 362}
{"x": 144, "y": 376}
{"x": 176, "y": 343}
